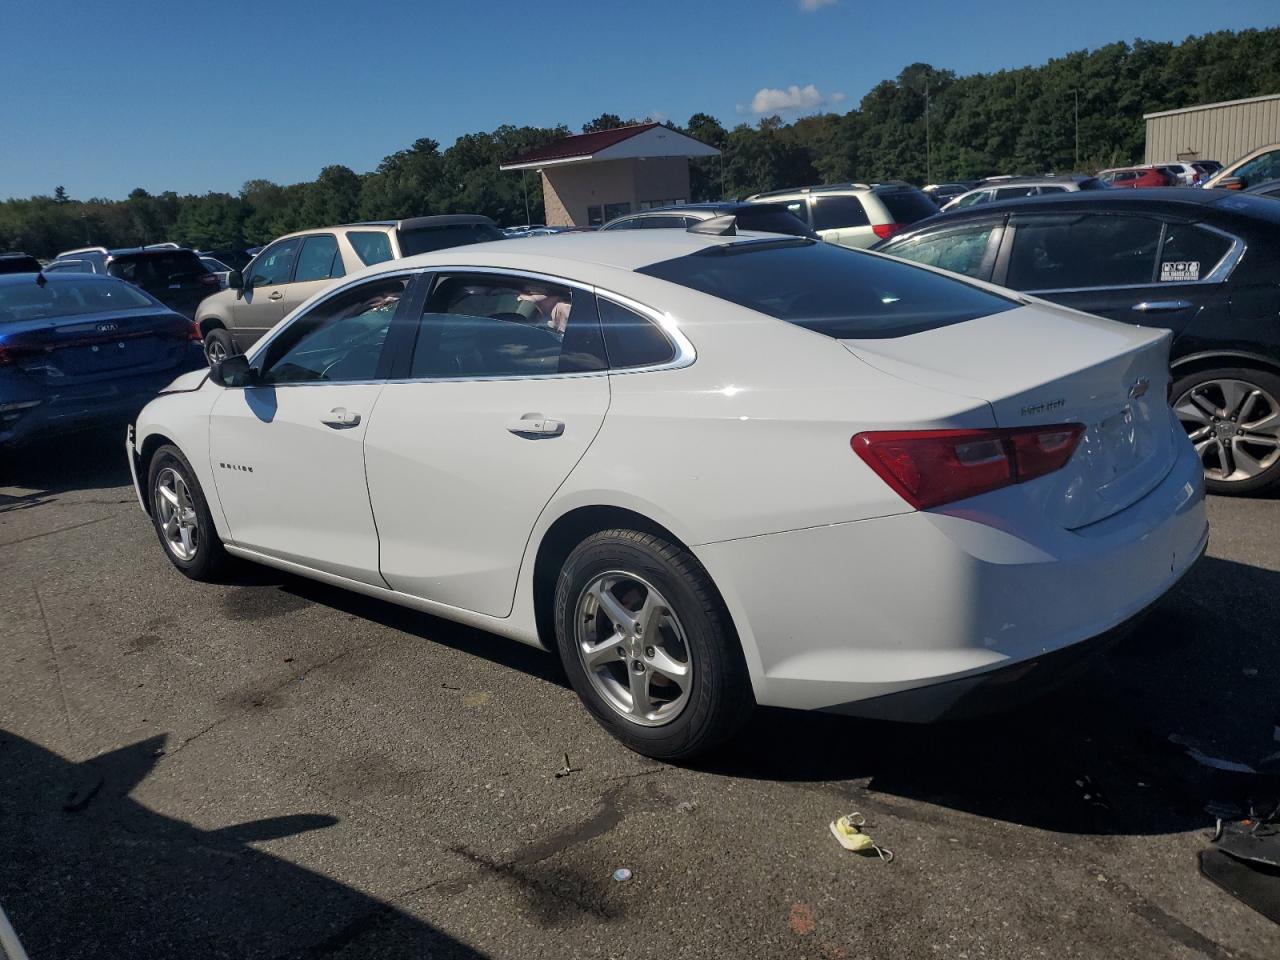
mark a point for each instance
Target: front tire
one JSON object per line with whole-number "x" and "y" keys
{"x": 180, "y": 515}
{"x": 649, "y": 646}
{"x": 1232, "y": 415}
{"x": 218, "y": 345}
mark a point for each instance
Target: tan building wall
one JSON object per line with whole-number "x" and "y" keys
{"x": 1222, "y": 132}
{"x": 570, "y": 191}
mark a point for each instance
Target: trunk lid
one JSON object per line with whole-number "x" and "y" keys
{"x": 96, "y": 346}
{"x": 1041, "y": 364}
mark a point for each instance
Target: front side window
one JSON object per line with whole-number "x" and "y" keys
{"x": 632, "y": 340}
{"x": 836, "y": 213}
{"x": 1071, "y": 252}
{"x": 961, "y": 251}
{"x": 632, "y": 223}
{"x": 800, "y": 209}
{"x": 338, "y": 340}
{"x": 319, "y": 259}
{"x": 970, "y": 199}
{"x": 1265, "y": 167}
{"x": 489, "y": 325}
{"x": 1012, "y": 193}
{"x": 274, "y": 265}
{"x": 371, "y": 247}
{"x": 830, "y": 289}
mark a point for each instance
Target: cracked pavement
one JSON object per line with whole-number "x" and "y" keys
{"x": 273, "y": 768}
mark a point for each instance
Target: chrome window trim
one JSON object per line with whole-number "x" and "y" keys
{"x": 1220, "y": 272}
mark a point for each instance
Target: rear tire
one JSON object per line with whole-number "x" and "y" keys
{"x": 673, "y": 687}
{"x": 1232, "y": 415}
{"x": 180, "y": 515}
{"x": 218, "y": 345}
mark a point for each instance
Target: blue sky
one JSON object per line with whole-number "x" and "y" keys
{"x": 104, "y": 97}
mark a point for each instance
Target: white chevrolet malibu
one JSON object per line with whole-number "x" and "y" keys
{"x": 709, "y": 470}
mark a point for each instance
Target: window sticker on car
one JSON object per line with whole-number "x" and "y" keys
{"x": 1179, "y": 270}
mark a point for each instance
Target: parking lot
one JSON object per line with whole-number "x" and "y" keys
{"x": 274, "y": 768}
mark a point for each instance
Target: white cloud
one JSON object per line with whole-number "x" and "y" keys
{"x": 657, "y": 116}
{"x": 811, "y": 5}
{"x": 836, "y": 97}
{"x": 773, "y": 100}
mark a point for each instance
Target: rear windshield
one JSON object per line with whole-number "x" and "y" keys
{"x": 169, "y": 266}
{"x": 67, "y": 298}
{"x": 1092, "y": 183}
{"x": 438, "y": 238}
{"x": 907, "y": 206}
{"x": 771, "y": 219}
{"x": 830, "y": 289}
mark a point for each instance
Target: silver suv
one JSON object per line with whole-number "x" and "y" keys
{"x": 298, "y": 265}
{"x": 854, "y": 214}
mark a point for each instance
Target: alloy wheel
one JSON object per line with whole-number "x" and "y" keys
{"x": 215, "y": 350}
{"x": 633, "y": 648}
{"x": 177, "y": 514}
{"x": 1234, "y": 425}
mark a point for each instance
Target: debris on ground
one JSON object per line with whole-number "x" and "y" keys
{"x": 1245, "y": 860}
{"x": 449, "y": 686}
{"x": 567, "y": 769}
{"x": 1090, "y": 792}
{"x": 848, "y": 833}
{"x": 686, "y": 806}
{"x": 622, "y": 874}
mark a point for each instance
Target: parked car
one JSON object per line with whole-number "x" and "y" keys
{"x": 217, "y": 268}
{"x": 854, "y": 214}
{"x": 294, "y": 267}
{"x": 1267, "y": 188}
{"x": 944, "y": 193}
{"x": 1010, "y": 188}
{"x": 1184, "y": 174}
{"x": 78, "y": 350}
{"x": 1161, "y": 258}
{"x": 692, "y": 459}
{"x": 1136, "y": 177}
{"x": 1255, "y": 167}
{"x": 765, "y": 217}
{"x": 18, "y": 263}
{"x": 173, "y": 275}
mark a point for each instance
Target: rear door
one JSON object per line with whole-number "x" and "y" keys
{"x": 1135, "y": 269}
{"x": 260, "y": 304}
{"x": 488, "y": 413}
{"x": 842, "y": 219}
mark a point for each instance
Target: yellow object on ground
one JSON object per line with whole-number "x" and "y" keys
{"x": 848, "y": 833}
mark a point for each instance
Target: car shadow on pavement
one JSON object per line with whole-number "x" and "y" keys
{"x": 87, "y": 871}
{"x": 1136, "y": 745}
{"x": 79, "y": 461}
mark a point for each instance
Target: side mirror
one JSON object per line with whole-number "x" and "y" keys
{"x": 233, "y": 371}
{"x": 1231, "y": 183}
{"x": 235, "y": 281}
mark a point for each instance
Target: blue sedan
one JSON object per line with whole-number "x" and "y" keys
{"x": 77, "y": 350}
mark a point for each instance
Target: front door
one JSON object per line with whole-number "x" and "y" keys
{"x": 288, "y": 451}
{"x": 505, "y": 391}
{"x": 260, "y": 305}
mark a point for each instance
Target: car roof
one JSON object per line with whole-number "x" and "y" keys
{"x": 621, "y": 249}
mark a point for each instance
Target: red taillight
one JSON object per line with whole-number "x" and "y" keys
{"x": 209, "y": 279}
{"x": 928, "y": 468}
{"x": 886, "y": 230}
{"x": 193, "y": 332}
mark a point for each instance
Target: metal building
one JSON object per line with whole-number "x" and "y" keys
{"x": 1213, "y": 131}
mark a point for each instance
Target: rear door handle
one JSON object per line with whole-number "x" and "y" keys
{"x": 1161, "y": 306}
{"x": 340, "y": 417}
{"x": 535, "y": 425}
{"x": 275, "y": 295}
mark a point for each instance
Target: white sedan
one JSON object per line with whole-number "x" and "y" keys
{"x": 709, "y": 470}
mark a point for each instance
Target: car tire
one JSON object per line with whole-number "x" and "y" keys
{"x": 184, "y": 526}
{"x": 688, "y": 628}
{"x": 1232, "y": 411}
{"x": 218, "y": 345}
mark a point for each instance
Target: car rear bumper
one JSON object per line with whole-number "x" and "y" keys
{"x": 912, "y": 616}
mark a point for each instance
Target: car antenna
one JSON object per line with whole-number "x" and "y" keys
{"x": 725, "y": 226}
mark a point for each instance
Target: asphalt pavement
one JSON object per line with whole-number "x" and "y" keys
{"x": 275, "y": 768}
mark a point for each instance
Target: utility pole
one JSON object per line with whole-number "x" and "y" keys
{"x": 524, "y": 183}
{"x": 928, "y": 143}
{"x": 1076, "y": 92}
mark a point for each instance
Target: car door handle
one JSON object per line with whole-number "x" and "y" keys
{"x": 340, "y": 417}
{"x": 1161, "y": 306}
{"x": 275, "y": 295}
{"x": 535, "y": 425}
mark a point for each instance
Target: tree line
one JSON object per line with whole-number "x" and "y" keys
{"x": 925, "y": 124}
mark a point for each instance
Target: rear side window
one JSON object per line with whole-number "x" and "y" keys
{"x": 830, "y": 289}
{"x": 907, "y": 206}
{"x": 1189, "y": 252}
{"x": 157, "y": 268}
{"x": 837, "y": 213}
{"x": 1012, "y": 193}
{"x": 438, "y": 238}
{"x": 370, "y": 247}
{"x": 319, "y": 259}
{"x": 631, "y": 340}
{"x": 1058, "y": 253}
